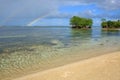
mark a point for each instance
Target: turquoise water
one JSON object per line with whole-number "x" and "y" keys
{"x": 24, "y": 50}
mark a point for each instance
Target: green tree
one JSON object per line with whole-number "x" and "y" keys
{"x": 111, "y": 24}
{"x": 78, "y": 22}
{"x": 74, "y": 21}
{"x": 89, "y": 22}
{"x": 104, "y": 24}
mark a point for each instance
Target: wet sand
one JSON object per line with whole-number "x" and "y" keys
{"x": 105, "y": 67}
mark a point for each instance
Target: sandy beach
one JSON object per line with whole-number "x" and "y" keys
{"x": 105, "y": 67}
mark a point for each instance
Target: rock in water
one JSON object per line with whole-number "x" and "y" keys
{"x": 57, "y": 43}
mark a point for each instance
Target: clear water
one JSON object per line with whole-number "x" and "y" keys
{"x": 24, "y": 50}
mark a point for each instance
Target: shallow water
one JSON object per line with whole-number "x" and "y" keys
{"x": 24, "y": 50}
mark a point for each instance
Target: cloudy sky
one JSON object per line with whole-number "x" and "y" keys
{"x": 56, "y": 12}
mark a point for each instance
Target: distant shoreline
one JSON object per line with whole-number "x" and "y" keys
{"x": 110, "y": 28}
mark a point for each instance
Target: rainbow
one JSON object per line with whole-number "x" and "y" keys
{"x": 37, "y": 19}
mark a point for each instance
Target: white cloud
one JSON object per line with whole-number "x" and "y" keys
{"x": 105, "y": 4}
{"x": 13, "y": 11}
{"x": 110, "y": 4}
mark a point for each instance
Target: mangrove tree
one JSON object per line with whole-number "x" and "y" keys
{"x": 110, "y": 24}
{"x": 79, "y": 22}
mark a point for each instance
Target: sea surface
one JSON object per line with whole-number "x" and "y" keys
{"x": 25, "y": 50}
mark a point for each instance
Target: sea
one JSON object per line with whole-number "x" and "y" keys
{"x": 29, "y": 49}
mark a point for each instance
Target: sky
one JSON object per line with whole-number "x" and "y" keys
{"x": 56, "y": 12}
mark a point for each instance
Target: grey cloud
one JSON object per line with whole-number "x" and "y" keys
{"x": 110, "y": 4}
{"x": 106, "y": 14}
{"x": 105, "y": 4}
{"x": 87, "y": 14}
{"x": 58, "y": 14}
{"x": 24, "y": 11}
{"x": 12, "y": 10}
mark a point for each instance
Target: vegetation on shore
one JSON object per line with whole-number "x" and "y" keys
{"x": 78, "y": 22}
{"x": 110, "y": 24}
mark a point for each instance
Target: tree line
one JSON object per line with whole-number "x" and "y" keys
{"x": 78, "y": 22}
{"x": 85, "y": 23}
{"x": 110, "y": 24}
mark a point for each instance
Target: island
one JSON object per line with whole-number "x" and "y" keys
{"x": 81, "y": 23}
{"x": 110, "y": 25}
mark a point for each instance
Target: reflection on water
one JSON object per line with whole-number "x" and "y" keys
{"x": 112, "y": 33}
{"x": 23, "y": 49}
{"x": 96, "y": 33}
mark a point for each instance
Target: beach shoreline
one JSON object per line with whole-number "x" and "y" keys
{"x": 104, "y": 67}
